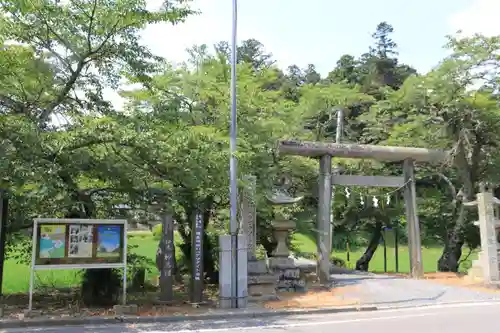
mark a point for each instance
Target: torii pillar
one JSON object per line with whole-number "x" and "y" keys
{"x": 325, "y": 151}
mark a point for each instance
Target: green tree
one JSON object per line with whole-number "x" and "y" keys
{"x": 57, "y": 130}
{"x": 450, "y": 108}
{"x": 194, "y": 101}
{"x": 346, "y": 71}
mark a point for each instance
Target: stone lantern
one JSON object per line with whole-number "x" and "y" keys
{"x": 282, "y": 224}
{"x": 290, "y": 277}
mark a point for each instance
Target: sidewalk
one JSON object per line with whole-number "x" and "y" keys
{"x": 251, "y": 312}
{"x": 352, "y": 292}
{"x": 314, "y": 301}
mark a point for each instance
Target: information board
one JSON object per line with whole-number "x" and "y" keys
{"x": 78, "y": 244}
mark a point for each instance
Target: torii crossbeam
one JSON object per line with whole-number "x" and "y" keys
{"x": 325, "y": 151}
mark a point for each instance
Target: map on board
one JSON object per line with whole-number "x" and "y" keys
{"x": 52, "y": 241}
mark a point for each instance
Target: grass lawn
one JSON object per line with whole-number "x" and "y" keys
{"x": 430, "y": 256}
{"x": 16, "y": 276}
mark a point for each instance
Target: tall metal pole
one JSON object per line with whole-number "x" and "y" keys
{"x": 324, "y": 218}
{"x": 340, "y": 124}
{"x": 4, "y": 203}
{"x": 338, "y": 138}
{"x": 414, "y": 242}
{"x": 326, "y": 198}
{"x": 232, "y": 165}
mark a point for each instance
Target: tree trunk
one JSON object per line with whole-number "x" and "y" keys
{"x": 208, "y": 260}
{"x": 186, "y": 255}
{"x": 363, "y": 262}
{"x": 449, "y": 260}
{"x": 99, "y": 287}
{"x": 184, "y": 230}
{"x": 468, "y": 173}
{"x": 177, "y": 268}
{"x": 208, "y": 248}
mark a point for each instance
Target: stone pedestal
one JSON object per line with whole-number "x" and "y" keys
{"x": 281, "y": 229}
{"x": 261, "y": 282}
{"x": 289, "y": 275}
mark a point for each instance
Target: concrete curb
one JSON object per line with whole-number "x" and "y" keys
{"x": 430, "y": 305}
{"x": 244, "y": 314}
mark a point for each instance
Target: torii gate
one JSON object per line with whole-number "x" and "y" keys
{"x": 325, "y": 151}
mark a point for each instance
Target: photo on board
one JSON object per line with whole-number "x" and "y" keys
{"x": 108, "y": 241}
{"x": 80, "y": 241}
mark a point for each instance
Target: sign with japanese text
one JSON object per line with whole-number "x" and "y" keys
{"x": 166, "y": 259}
{"x": 197, "y": 259}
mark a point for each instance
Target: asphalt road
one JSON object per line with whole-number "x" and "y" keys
{"x": 457, "y": 318}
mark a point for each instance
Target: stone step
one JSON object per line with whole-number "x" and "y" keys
{"x": 256, "y": 267}
{"x": 262, "y": 279}
{"x": 261, "y": 290}
{"x": 281, "y": 263}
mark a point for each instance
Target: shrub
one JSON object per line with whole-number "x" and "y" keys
{"x": 19, "y": 249}
{"x": 157, "y": 230}
{"x": 337, "y": 261}
{"x": 260, "y": 252}
{"x": 140, "y": 234}
{"x": 102, "y": 287}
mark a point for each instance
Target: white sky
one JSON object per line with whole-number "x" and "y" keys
{"x": 480, "y": 17}
{"x": 214, "y": 24}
